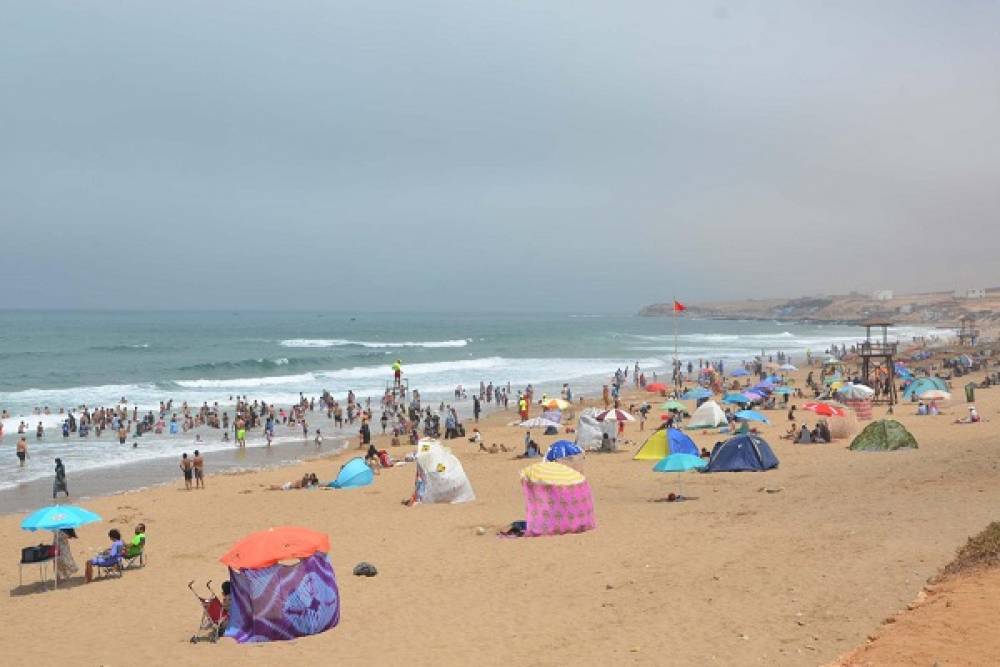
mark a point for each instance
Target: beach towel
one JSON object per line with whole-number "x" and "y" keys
{"x": 283, "y": 602}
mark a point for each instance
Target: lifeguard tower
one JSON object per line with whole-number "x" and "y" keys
{"x": 968, "y": 334}
{"x": 878, "y": 367}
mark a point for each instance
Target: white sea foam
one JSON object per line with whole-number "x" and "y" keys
{"x": 340, "y": 342}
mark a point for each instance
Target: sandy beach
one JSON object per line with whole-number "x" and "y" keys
{"x": 738, "y": 575}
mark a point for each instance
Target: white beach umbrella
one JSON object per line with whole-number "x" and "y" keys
{"x": 539, "y": 422}
{"x": 856, "y": 392}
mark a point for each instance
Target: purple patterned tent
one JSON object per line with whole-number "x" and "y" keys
{"x": 283, "y": 601}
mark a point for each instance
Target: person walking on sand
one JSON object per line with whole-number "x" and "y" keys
{"x": 198, "y": 464}
{"x": 187, "y": 470}
{"x": 60, "y": 481}
{"x": 22, "y": 451}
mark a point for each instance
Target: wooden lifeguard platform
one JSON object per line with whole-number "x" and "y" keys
{"x": 878, "y": 367}
{"x": 968, "y": 334}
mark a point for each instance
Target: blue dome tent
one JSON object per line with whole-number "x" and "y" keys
{"x": 742, "y": 453}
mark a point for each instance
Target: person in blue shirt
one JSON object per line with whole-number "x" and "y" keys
{"x": 107, "y": 558}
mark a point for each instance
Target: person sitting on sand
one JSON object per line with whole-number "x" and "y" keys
{"x": 805, "y": 437}
{"x": 107, "y": 558}
{"x": 705, "y": 454}
{"x": 532, "y": 450}
{"x": 791, "y": 432}
{"x": 372, "y": 459}
{"x": 476, "y": 436}
{"x": 921, "y": 408}
{"x": 972, "y": 418}
{"x": 824, "y": 430}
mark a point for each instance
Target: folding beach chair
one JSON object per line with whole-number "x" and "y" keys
{"x": 109, "y": 564}
{"x": 213, "y": 615}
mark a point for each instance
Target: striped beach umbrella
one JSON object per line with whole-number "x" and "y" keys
{"x": 615, "y": 414}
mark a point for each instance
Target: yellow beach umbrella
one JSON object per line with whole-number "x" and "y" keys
{"x": 551, "y": 473}
{"x": 554, "y": 404}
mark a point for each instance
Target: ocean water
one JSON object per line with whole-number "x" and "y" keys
{"x": 70, "y": 359}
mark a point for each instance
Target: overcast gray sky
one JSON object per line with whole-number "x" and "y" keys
{"x": 581, "y": 156}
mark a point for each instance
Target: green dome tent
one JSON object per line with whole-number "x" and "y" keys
{"x": 884, "y": 435}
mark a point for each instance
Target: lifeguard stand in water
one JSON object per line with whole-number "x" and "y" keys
{"x": 878, "y": 367}
{"x": 968, "y": 334}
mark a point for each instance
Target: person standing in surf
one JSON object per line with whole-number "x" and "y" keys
{"x": 22, "y": 451}
{"x": 60, "y": 481}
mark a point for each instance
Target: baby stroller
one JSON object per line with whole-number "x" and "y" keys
{"x": 213, "y": 615}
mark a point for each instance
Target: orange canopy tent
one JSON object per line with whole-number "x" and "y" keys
{"x": 268, "y": 547}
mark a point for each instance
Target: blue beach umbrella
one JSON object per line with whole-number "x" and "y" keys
{"x": 696, "y": 393}
{"x": 562, "y": 449}
{"x": 784, "y": 390}
{"x": 679, "y": 463}
{"x": 739, "y": 372}
{"x": 736, "y": 399}
{"x": 57, "y": 517}
{"x": 752, "y": 416}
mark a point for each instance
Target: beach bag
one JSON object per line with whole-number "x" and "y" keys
{"x": 36, "y": 554}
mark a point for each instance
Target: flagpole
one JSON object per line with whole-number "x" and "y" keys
{"x": 676, "y": 369}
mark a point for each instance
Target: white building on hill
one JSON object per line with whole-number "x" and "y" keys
{"x": 882, "y": 295}
{"x": 971, "y": 293}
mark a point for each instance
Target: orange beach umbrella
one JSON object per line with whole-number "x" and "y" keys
{"x": 270, "y": 546}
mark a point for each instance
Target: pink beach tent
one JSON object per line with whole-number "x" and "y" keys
{"x": 557, "y": 500}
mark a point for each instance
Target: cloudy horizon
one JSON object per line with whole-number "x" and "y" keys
{"x": 579, "y": 157}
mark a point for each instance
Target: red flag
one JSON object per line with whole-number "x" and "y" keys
{"x": 678, "y": 306}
